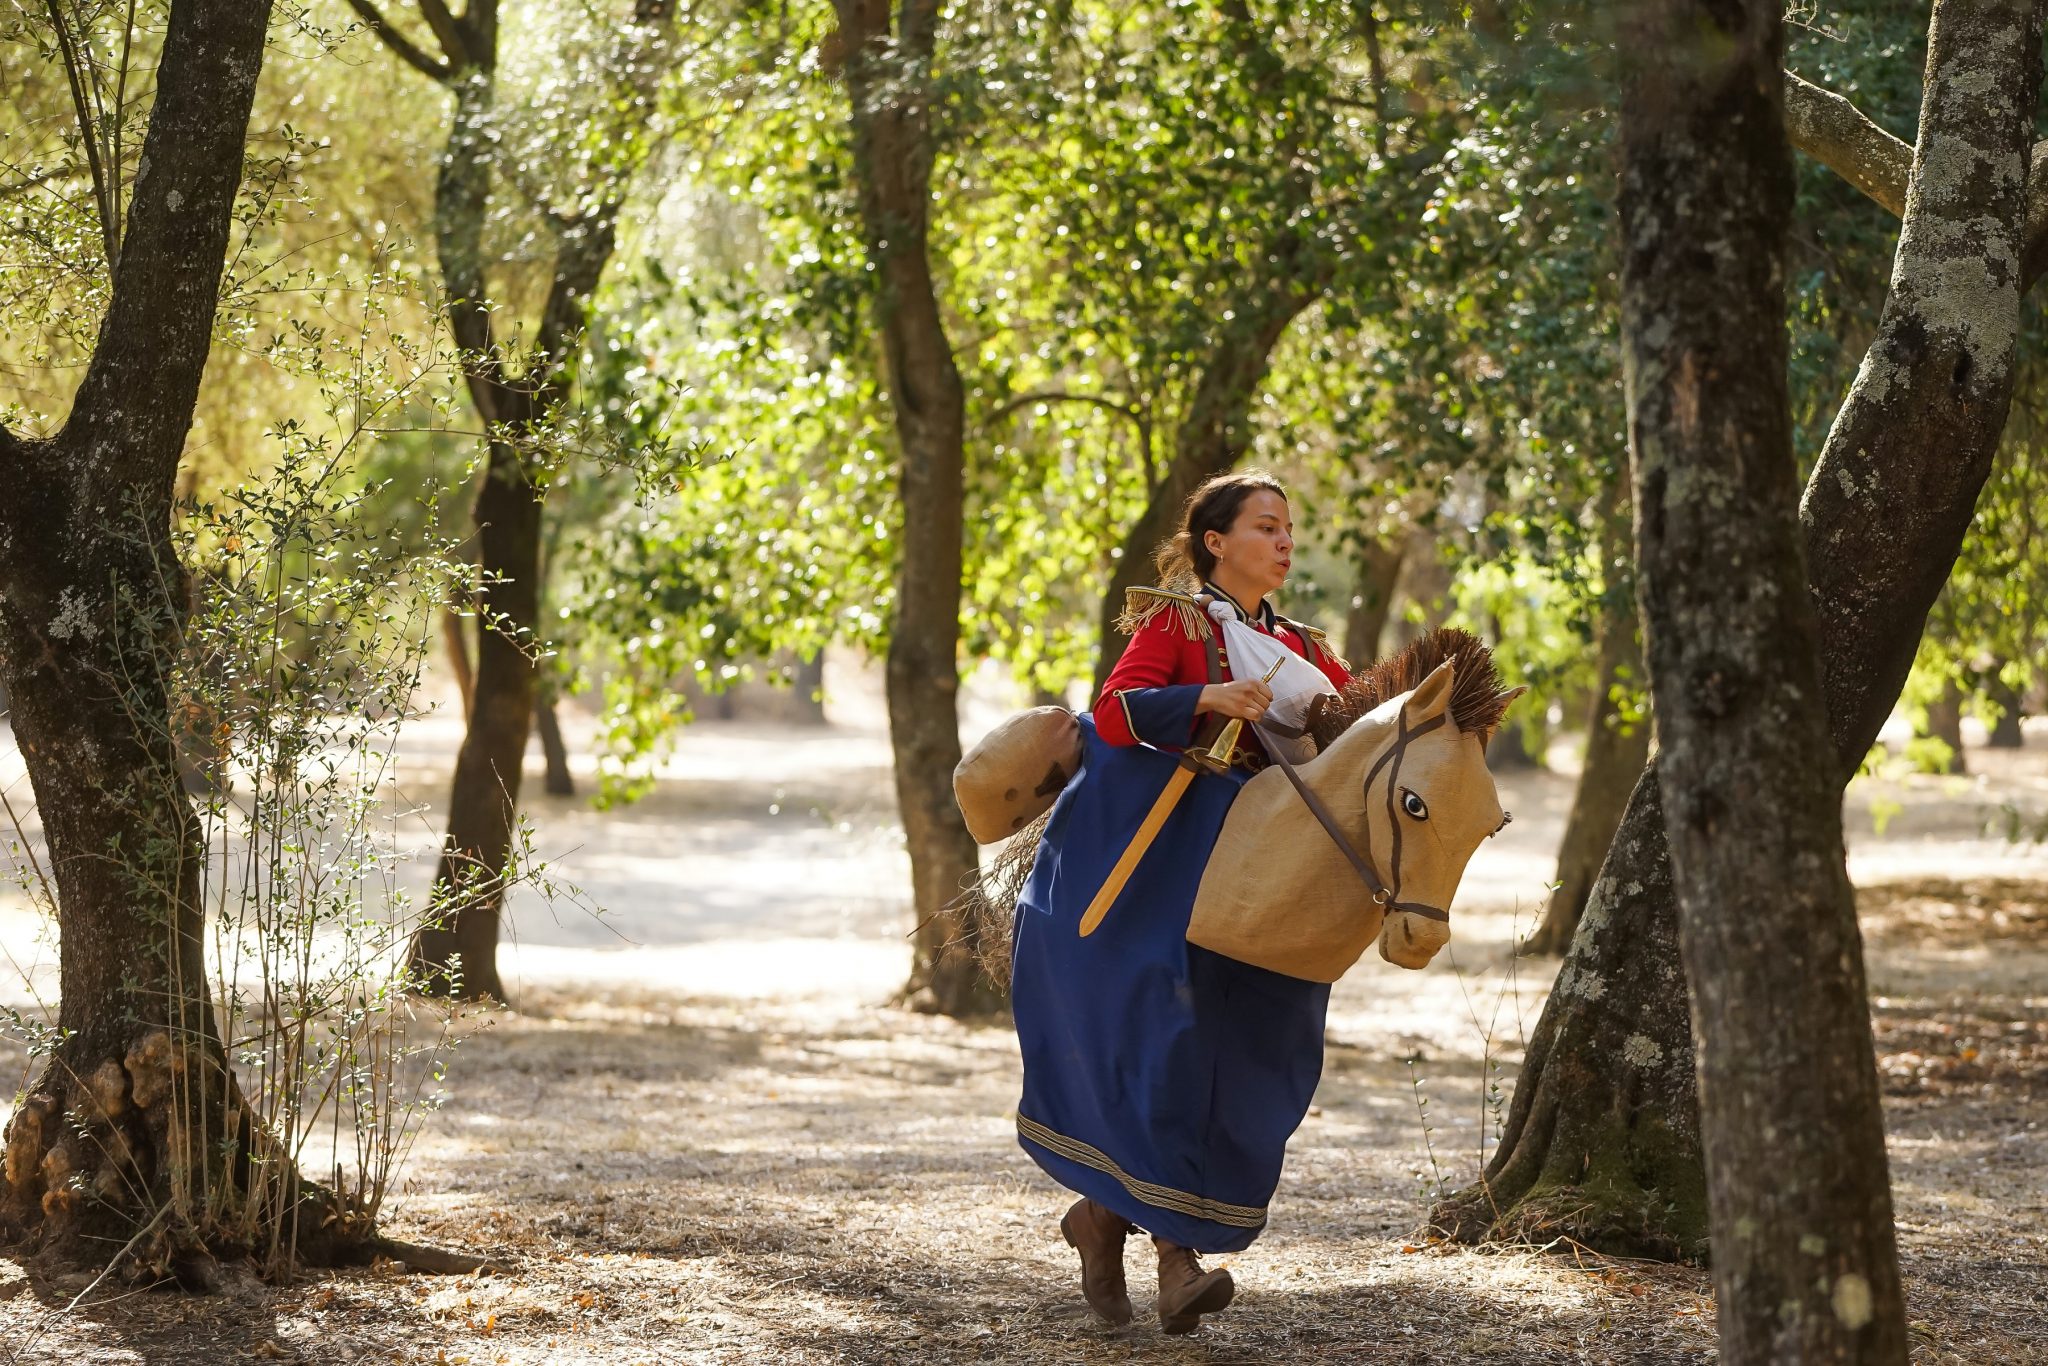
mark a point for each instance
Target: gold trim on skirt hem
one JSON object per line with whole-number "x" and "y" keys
{"x": 1160, "y": 1197}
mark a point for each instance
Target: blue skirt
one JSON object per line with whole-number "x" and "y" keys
{"x": 1160, "y": 1079}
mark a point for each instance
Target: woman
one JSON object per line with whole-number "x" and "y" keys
{"x": 1161, "y": 1080}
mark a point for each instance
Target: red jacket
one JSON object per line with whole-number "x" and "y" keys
{"x": 1151, "y": 693}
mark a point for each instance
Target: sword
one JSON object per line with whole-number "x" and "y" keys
{"x": 1216, "y": 759}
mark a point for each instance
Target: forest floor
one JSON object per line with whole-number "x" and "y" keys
{"x": 702, "y": 1134}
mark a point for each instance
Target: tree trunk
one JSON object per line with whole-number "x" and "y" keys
{"x": 1616, "y": 750}
{"x": 1602, "y": 1138}
{"x": 1372, "y": 597}
{"x": 2005, "y": 731}
{"x": 135, "y": 1123}
{"x": 456, "y": 951}
{"x": 890, "y": 99}
{"x": 455, "y": 642}
{"x": 1216, "y": 427}
{"x": 1425, "y": 583}
{"x": 1799, "y": 1197}
{"x": 1945, "y": 723}
{"x": 558, "y": 782}
{"x": 1617, "y": 747}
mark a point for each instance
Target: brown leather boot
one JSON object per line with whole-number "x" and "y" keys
{"x": 1098, "y": 1234}
{"x": 1186, "y": 1292}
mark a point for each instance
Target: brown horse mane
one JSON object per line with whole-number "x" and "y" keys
{"x": 1478, "y": 697}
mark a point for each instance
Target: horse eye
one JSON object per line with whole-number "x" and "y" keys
{"x": 1413, "y": 805}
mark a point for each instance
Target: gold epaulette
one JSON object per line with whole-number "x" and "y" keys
{"x": 1142, "y": 605}
{"x": 1322, "y": 642}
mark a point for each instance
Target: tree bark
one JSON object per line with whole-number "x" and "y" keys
{"x": 1372, "y": 596}
{"x": 1617, "y": 747}
{"x": 888, "y": 79}
{"x": 1602, "y": 1138}
{"x": 1799, "y": 1196}
{"x": 136, "y": 1121}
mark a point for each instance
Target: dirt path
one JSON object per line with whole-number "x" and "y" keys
{"x": 701, "y": 1137}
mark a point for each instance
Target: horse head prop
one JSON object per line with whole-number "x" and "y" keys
{"x": 1369, "y": 839}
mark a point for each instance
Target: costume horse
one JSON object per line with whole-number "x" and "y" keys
{"x": 1171, "y": 1052}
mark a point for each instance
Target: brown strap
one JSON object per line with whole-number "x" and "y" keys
{"x": 1211, "y": 726}
{"x": 1381, "y": 893}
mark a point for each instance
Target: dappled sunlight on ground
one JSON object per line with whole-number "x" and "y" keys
{"x": 705, "y": 1136}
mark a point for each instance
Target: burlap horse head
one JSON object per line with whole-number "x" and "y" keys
{"x": 1400, "y": 776}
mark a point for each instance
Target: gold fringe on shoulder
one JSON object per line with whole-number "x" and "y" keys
{"x": 1322, "y": 641}
{"x": 1143, "y": 605}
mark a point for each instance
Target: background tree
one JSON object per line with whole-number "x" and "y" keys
{"x": 1617, "y": 737}
{"x": 516, "y": 391}
{"x": 890, "y": 55}
{"x": 1805, "y": 1265}
{"x": 1602, "y": 1136}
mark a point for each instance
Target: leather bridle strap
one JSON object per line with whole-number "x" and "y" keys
{"x": 1381, "y": 893}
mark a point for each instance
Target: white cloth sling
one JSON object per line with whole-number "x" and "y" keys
{"x": 1296, "y": 684}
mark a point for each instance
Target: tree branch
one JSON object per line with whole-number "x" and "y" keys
{"x": 1128, "y": 411}
{"x": 110, "y": 227}
{"x": 1839, "y": 136}
{"x": 454, "y": 36}
{"x": 412, "y": 54}
{"x": 137, "y": 394}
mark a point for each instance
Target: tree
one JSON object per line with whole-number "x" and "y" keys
{"x": 135, "y": 1119}
{"x": 1617, "y": 739}
{"x": 515, "y": 399}
{"x": 1297, "y": 191}
{"x": 1602, "y": 1136}
{"x": 1805, "y": 1262}
{"x": 889, "y": 55}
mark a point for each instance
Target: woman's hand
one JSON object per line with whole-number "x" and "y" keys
{"x": 1246, "y": 699}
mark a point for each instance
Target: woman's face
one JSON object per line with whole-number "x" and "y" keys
{"x": 1258, "y": 550}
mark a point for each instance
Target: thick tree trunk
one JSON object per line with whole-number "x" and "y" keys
{"x": 135, "y": 1123}
{"x": 1799, "y": 1196}
{"x": 1605, "y": 1110}
{"x": 1617, "y": 747}
{"x": 1372, "y": 597}
{"x": 888, "y": 90}
{"x": 1216, "y": 428}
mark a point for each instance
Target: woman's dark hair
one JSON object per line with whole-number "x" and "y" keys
{"x": 1212, "y": 507}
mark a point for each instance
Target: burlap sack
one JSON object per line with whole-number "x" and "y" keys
{"x": 1017, "y": 771}
{"x": 1278, "y": 893}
